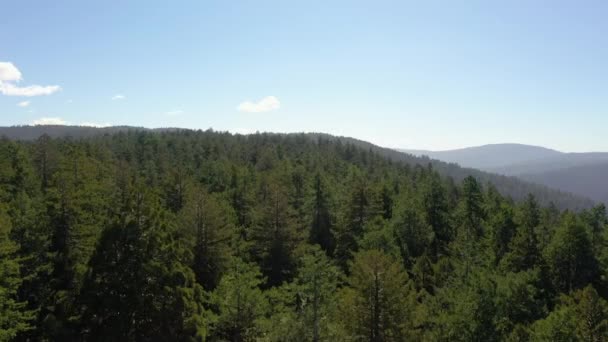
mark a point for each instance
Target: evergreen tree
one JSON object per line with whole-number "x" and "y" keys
{"x": 465, "y": 311}
{"x": 570, "y": 257}
{"x": 360, "y": 208}
{"x": 592, "y": 315}
{"x": 322, "y": 221}
{"x": 378, "y": 302}
{"x": 435, "y": 211}
{"x": 139, "y": 287}
{"x": 524, "y": 253}
{"x": 14, "y": 315}
{"x": 210, "y": 230}
{"x": 582, "y": 316}
{"x": 502, "y": 229}
{"x": 275, "y": 237}
{"x": 471, "y": 216}
{"x": 316, "y": 284}
{"x": 240, "y": 303}
{"x": 412, "y": 234}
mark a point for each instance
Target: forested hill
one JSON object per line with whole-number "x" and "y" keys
{"x": 61, "y": 131}
{"x": 513, "y": 187}
{"x": 205, "y": 236}
{"x": 508, "y": 186}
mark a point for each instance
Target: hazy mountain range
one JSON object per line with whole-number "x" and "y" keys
{"x": 513, "y": 187}
{"x": 584, "y": 174}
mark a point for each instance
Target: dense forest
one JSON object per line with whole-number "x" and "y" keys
{"x": 513, "y": 187}
{"x": 206, "y": 236}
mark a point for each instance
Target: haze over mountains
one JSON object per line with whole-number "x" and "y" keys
{"x": 583, "y": 174}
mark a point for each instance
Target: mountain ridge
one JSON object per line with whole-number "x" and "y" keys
{"x": 512, "y": 187}
{"x": 580, "y": 173}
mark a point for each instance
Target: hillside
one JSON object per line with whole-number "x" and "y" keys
{"x": 590, "y": 180}
{"x": 489, "y": 157}
{"x": 190, "y": 235}
{"x": 508, "y": 186}
{"x": 558, "y": 162}
{"x": 554, "y": 169}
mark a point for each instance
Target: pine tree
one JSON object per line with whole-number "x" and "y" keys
{"x": 240, "y": 302}
{"x": 209, "y": 228}
{"x": 570, "y": 257}
{"x": 275, "y": 237}
{"x": 139, "y": 286}
{"x": 316, "y": 283}
{"x": 412, "y": 234}
{"x": 322, "y": 220}
{"x": 377, "y": 304}
{"x": 524, "y": 253}
{"x": 14, "y": 315}
{"x": 592, "y": 315}
{"x": 357, "y": 212}
{"x": 502, "y": 229}
{"x": 471, "y": 216}
{"x": 435, "y": 210}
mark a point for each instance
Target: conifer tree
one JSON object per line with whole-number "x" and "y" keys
{"x": 570, "y": 257}
{"x": 322, "y": 220}
{"x": 524, "y": 253}
{"x": 14, "y": 314}
{"x": 139, "y": 286}
{"x": 210, "y": 230}
{"x": 241, "y": 304}
{"x": 377, "y": 304}
{"x": 316, "y": 284}
{"x": 275, "y": 237}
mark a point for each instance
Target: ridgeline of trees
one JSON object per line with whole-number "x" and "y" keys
{"x": 513, "y": 187}
{"x": 192, "y": 236}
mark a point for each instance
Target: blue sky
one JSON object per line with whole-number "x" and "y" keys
{"x": 419, "y": 74}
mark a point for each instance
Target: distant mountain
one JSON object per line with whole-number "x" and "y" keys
{"x": 590, "y": 180}
{"x": 583, "y": 174}
{"x": 488, "y": 157}
{"x": 508, "y": 186}
{"x": 550, "y": 164}
{"x": 513, "y": 187}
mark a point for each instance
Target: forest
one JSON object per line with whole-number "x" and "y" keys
{"x": 207, "y": 236}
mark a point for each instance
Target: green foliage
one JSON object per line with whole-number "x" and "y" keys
{"x": 241, "y": 304}
{"x": 322, "y": 219}
{"x": 378, "y": 302}
{"x": 465, "y": 311}
{"x": 138, "y": 286}
{"x": 524, "y": 253}
{"x": 14, "y": 315}
{"x": 190, "y": 236}
{"x": 583, "y": 316}
{"x": 208, "y": 226}
{"x": 570, "y": 257}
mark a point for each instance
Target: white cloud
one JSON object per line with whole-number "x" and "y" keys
{"x": 8, "y": 72}
{"x": 60, "y": 121}
{"x": 243, "y": 131}
{"x": 264, "y": 105}
{"x": 23, "y": 103}
{"x": 9, "y": 89}
{"x": 95, "y": 124}
{"x": 49, "y": 121}
{"x": 10, "y": 76}
{"x": 175, "y": 112}
{"x": 118, "y": 97}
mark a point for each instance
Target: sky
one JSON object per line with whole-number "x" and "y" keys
{"x": 406, "y": 74}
